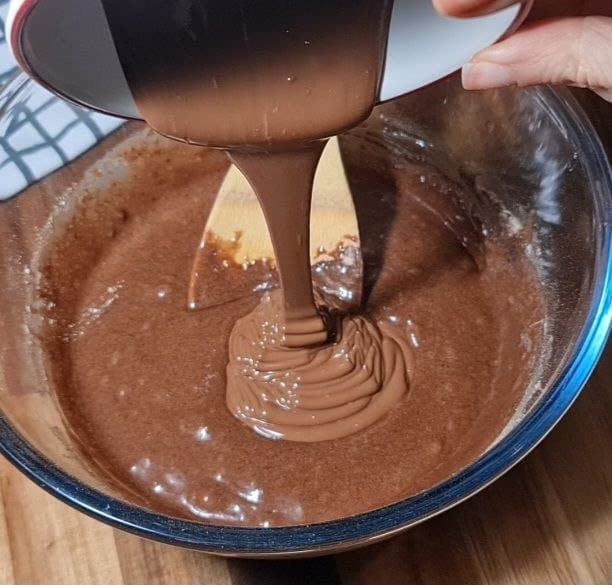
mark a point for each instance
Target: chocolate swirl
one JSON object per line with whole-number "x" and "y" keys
{"x": 314, "y": 393}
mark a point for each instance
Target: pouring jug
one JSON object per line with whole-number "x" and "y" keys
{"x": 67, "y": 46}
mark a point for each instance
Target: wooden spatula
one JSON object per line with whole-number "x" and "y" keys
{"x": 236, "y": 224}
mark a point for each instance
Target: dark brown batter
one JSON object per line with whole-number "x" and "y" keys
{"x": 142, "y": 379}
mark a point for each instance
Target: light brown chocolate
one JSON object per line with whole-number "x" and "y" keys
{"x": 314, "y": 393}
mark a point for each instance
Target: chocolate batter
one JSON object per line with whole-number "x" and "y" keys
{"x": 141, "y": 378}
{"x": 427, "y": 372}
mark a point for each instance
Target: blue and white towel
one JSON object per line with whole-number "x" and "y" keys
{"x": 45, "y": 132}
{"x": 7, "y": 66}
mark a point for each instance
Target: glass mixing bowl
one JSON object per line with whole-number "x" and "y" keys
{"x": 532, "y": 151}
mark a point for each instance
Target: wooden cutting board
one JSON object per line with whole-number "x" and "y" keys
{"x": 548, "y": 521}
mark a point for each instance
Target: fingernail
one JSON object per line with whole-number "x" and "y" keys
{"x": 471, "y": 7}
{"x": 484, "y": 75}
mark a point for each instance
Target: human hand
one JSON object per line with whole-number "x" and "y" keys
{"x": 564, "y": 42}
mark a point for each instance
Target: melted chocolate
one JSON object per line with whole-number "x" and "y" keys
{"x": 232, "y": 74}
{"x": 237, "y": 73}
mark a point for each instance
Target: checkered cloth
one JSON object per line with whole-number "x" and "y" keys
{"x": 7, "y": 66}
{"x": 44, "y": 132}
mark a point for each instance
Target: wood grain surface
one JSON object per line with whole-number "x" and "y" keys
{"x": 548, "y": 521}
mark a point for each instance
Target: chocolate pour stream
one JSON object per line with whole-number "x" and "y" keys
{"x": 283, "y": 183}
{"x": 269, "y": 84}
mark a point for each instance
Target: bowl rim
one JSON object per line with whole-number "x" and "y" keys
{"x": 365, "y": 528}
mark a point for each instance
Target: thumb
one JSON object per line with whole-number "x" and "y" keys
{"x": 571, "y": 51}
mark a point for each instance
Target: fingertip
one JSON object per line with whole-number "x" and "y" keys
{"x": 572, "y": 50}
{"x": 483, "y": 75}
{"x": 457, "y": 8}
{"x": 442, "y": 7}
{"x": 606, "y": 94}
{"x": 468, "y": 8}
